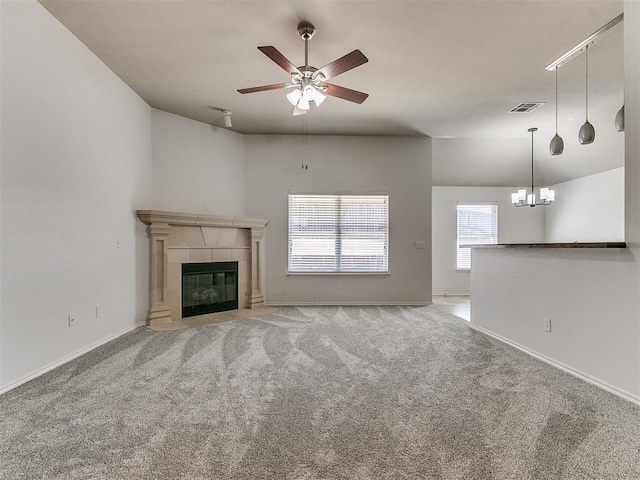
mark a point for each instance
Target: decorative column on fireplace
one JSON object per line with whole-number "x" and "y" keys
{"x": 158, "y": 309}
{"x": 178, "y": 239}
{"x": 257, "y": 298}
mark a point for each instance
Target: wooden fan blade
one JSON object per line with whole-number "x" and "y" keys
{"x": 345, "y": 93}
{"x": 280, "y": 59}
{"x": 263, "y": 88}
{"x": 343, "y": 64}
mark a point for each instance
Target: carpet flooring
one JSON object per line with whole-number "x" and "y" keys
{"x": 316, "y": 393}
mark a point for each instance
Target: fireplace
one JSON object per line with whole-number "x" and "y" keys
{"x": 190, "y": 238}
{"x": 209, "y": 287}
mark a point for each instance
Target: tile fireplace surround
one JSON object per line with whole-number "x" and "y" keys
{"x": 177, "y": 238}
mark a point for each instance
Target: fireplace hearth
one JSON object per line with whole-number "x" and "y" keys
{"x": 209, "y": 287}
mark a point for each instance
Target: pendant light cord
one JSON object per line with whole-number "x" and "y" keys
{"x": 304, "y": 144}
{"x": 586, "y": 81}
{"x": 556, "y": 100}
{"x": 532, "y": 192}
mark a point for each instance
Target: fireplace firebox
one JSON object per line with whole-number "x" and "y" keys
{"x": 209, "y": 287}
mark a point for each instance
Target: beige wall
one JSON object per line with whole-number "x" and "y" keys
{"x": 399, "y": 165}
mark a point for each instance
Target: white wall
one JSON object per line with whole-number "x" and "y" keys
{"x": 196, "y": 164}
{"x": 1, "y": 130}
{"x": 592, "y": 296}
{"x": 588, "y": 209}
{"x": 76, "y": 164}
{"x": 399, "y": 165}
{"x": 515, "y": 225}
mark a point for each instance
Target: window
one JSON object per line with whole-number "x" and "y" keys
{"x": 477, "y": 223}
{"x": 338, "y": 233}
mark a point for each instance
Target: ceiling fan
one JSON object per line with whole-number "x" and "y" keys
{"x": 309, "y": 84}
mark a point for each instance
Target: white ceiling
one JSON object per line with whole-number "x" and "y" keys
{"x": 437, "y": 68}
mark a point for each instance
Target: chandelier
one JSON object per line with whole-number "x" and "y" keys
{"x": 522, "y": 199}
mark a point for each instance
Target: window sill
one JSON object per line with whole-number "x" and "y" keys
{"x": 338, "y": 274}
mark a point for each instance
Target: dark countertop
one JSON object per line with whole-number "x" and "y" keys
{"x": 551, "y": 245}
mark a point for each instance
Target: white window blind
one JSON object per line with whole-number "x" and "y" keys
{"x": 338, "y": 233}
{"x": 477, "y": 223}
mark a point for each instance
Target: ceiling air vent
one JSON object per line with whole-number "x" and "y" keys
{"x": 526, "y": 107}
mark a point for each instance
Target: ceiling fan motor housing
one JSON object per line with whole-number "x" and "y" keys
{"x": 306, "y": 30}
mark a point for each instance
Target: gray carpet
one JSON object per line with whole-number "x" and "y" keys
{"x": 316, "y": 393}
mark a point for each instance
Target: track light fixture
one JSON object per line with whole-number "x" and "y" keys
{"x": 587, "y": 133}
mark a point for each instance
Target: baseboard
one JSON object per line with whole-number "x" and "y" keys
{"x": 451, "y": 294}
{"x": 571, "y": 371}
{"x": 68, "y": 358}
{"x": 346, "y": 304}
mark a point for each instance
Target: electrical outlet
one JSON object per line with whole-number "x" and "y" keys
{"x": 547, "y": 324}
{"x": 98, "y": 311}
{"x": 421, "y": 244}
{"x": 72, "y": 320}
{"x": 118, "y": 243}
{"x": 339, "y": 285}
{"x": 206, "y": 206}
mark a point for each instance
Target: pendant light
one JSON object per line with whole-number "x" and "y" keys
{"x": 557, "y": 144}
{"x": 587, "y": 133}
{"x": 523, "y": 199}
{"x": 620, "y": 120}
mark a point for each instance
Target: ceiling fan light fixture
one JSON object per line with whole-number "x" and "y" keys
{"x": 307, "y": 93}
{"x": 294, "y": 96}
{"x": 318, "y": 97}
{"x": 303, "y": 103}
{"x": 298, "y": 111}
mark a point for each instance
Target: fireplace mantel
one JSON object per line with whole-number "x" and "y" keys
{"x": 195, "y": 219}
{"x": 176, "y": 238}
